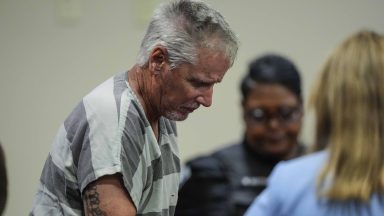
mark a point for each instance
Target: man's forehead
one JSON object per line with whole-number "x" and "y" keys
{"x": 207, "y": 74}
{"x": 213, "y": 66}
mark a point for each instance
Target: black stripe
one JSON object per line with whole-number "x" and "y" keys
{"x": 168, "y": 126}
{"x": 85, "y": 173}
{"x": 156, "y": 171}
{"x": 164, "y": 212}
{"x": 133, "y": 141}
{"x": 169, "y": 163}
{"x": 77, "y": 128}
{"x": 119, "y": 86}
{"x": 66, "y": 191}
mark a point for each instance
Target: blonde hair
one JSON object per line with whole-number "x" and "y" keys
{"x": 349, "y": 107}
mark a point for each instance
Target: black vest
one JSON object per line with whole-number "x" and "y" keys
{"x": 224, "y": 183}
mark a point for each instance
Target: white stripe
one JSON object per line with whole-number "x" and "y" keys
{"x": 172, "y": 140}
{"x": 62, "y": 155}
{"x": 136, "y": 192}
{"x": 100, "y": 107}
{"x": 151, "y": 149}
{"x": 168, "y": 195}
{"x": 70, "y": 211}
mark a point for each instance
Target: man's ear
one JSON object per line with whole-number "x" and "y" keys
{"x": 158, "y": 59}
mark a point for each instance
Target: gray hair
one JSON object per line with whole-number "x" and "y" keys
{"x": 183, "y": 27}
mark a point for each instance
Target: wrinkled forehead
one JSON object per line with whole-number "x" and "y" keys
{"x": 213, "y": 63}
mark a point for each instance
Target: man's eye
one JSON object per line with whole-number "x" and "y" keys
{"x": 199, "y": 84}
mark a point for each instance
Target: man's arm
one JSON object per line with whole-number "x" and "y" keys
{"x": 108, "y": 196}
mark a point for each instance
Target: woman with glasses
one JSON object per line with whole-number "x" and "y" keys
{"x": 347, "y": 176}
{"x": 226, "y": 182}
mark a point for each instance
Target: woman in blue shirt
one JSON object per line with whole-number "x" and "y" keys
{"x": 346, "y": 177}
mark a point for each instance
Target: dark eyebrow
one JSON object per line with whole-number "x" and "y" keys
{"x": 199, "y": 82}
{"x": 203, "y": 83}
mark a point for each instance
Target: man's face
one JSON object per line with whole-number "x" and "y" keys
{"x": 188, "y": 86}
{"x": 272, "y": 116}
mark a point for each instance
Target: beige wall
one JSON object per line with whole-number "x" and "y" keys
{"x": 54, "y": 52}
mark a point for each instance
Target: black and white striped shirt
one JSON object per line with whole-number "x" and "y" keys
{"x": 108, "y": 133}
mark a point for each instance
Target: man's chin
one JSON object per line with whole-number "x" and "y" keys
{"x": 176, "y": 116}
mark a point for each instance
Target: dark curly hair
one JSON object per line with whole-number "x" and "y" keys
{"x": 272, "y": 69}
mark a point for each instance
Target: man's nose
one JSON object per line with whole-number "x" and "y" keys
{"x": 205, "y": 98}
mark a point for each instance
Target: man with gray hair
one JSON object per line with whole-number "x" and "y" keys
{"x": 116, "y": 153}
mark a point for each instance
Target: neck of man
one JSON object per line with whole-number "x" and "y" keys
{"x": 140, "y": 80}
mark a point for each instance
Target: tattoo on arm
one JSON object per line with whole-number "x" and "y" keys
{"x": 92, "y": 202}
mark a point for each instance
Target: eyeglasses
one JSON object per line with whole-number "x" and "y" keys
{"x": 284, "y": 115}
